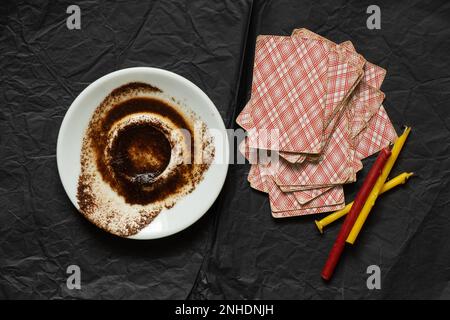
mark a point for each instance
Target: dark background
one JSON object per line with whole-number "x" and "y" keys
{"x": 237, "y": 250}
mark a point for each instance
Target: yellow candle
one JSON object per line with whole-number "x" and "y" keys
{"x": 398, "y": 145}
{"x": 400, "y": 179}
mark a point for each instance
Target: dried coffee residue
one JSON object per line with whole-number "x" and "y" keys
{"x": 135, "y": 160}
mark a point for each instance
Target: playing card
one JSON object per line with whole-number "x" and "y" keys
{"x": 370, "y": 84}
{"x": 373, "y": 74}
{"x": 286, "y": 201}
{"x": 293, "y": 157}
{"x": 365, "y": 102}
{"x": 305, "y": 196}
{"x": 344, "y": 72}
{"x": 304, "y": 212}
{"x": 378, "y": 134}
{"x": 334, "y": 167}
{"x": 302, "y": 197}
{"x": 308, "y": 195}
{"x": 288, "y": 94}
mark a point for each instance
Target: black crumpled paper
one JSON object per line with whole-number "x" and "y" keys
{"x": 237, "y": 250}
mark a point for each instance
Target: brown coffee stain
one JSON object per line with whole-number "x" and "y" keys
{"x": 138, "y": 155}
{"x": 140, "y": 137}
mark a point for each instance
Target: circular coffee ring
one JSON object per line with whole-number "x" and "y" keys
{"x": 173, "y": 135}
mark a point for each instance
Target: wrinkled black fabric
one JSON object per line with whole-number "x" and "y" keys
{"x": 237, "y": 250}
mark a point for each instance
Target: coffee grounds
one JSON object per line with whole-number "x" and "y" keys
{"x": 123, "y": 184}
{"x": 140, "y": 151}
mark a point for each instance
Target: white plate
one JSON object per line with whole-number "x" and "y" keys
{"x": 188, "y": 209}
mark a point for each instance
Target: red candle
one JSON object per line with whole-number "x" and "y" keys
{"x": 351, "y": 217}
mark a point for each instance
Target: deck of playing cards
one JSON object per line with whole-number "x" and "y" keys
{"x": 315, "y": 112}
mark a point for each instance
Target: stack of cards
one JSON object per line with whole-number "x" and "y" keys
{"x": 316, "y": 110}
